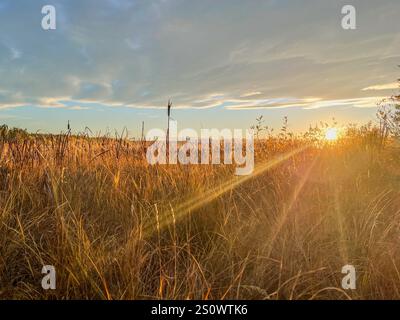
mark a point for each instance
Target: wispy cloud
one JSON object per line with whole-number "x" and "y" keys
{"x": 77, "y": 108}
{"x": 387, "y": 86}
{"x": 15, "y": 53}
{"x": 250, "y": 94}
{"x": 311, "y": 103}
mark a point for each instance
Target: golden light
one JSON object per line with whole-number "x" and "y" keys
{"x": 331, "y": 134}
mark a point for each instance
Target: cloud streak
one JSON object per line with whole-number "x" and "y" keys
{"x": 387, "y": 86}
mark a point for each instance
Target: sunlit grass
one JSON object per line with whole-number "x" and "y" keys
{"x": 116, "y": 228}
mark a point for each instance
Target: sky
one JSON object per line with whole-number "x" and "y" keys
{"x": 111, "y": 64}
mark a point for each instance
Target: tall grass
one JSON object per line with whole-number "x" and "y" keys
{"x": 116, "y": 228}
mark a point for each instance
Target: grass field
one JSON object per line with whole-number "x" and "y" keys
{"x": 116, "y": 228}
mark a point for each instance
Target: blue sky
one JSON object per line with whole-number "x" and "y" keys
{"x": 115, "y": 63}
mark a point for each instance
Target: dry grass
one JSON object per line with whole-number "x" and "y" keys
{"x": 116, "y": 228}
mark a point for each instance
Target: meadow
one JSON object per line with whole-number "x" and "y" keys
{"x": 116, "y": 227}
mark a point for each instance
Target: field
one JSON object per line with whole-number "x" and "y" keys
{"x": 115, "y": 227}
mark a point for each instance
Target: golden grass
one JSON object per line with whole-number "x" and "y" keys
{"x": 116, "y": 228}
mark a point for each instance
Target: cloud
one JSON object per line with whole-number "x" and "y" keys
{"x": 227, "y": 101}
{"x": 79, "y": 108}
{"x": 387, "y": 86}
{"x": 133, "y": 44}
{"x": 201, "y": 54}
{"x": 364, "y": 102}
{"x": 308, "y": 104}
{"x": 250, "y": 94}
{"x": 15, "y": 53}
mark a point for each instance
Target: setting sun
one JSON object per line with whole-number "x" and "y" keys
{"x": 331, "y": 134}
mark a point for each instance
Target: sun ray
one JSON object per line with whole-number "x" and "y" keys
{"x": 285, "y": 212}
{"x": 214, "y": 193}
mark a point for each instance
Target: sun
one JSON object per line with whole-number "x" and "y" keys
{"x": 331, "y": 134}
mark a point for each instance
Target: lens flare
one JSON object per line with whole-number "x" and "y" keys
{"x": 331, "y": 134}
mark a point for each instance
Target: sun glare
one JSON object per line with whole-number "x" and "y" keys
{"x": 331, "y": 134}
